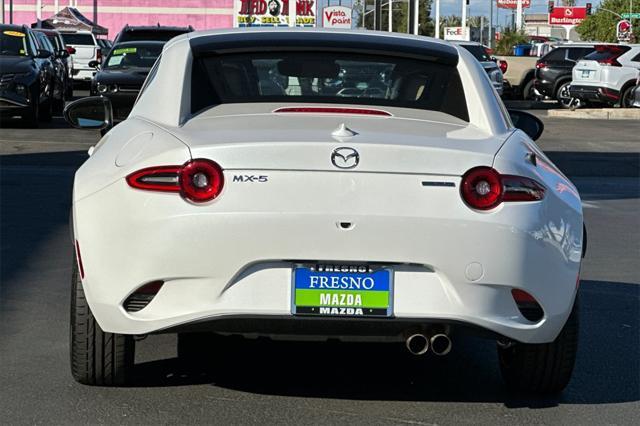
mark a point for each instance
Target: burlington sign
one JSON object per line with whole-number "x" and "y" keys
{"x": 567, "y": 15}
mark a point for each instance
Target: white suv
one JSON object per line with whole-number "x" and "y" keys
{"x": 87, "y": 50}
{"x": 608, "y": 75}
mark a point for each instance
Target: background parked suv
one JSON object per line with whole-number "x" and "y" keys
{"x": 150, "y": 33}
{"x": 608, "y": 75}
{"x": 87, "y": 50}
{"x": 59, "y": 66}
{"x": 64, "y": 53}
{"x": 490, "y": 66}
{"x": 554, "y": 71}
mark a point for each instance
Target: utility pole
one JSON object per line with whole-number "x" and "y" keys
{"x": 437, "y": 34}
{"x": 390, "y": 23}
{"x": 519, "y": 16}
{"x": 10, "y": 11}
{"x": 416, "y": 13}
{"x": 464, "y": 17}
{"x": 491, "y": 36}
{"x": 95, "y": 11}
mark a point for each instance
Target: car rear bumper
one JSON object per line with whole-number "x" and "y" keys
{"x": 83, "y": 74}
{"x": 448, "y": 266}
{"x": 595, "y": 94}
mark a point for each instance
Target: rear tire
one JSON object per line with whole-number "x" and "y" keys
{"x": 542, "y": 368}
{"x": 563, "y": 97}
{"x": 97, "y": 357}
{"x": 527, "y": 93}
{"x": 625, "y": 100}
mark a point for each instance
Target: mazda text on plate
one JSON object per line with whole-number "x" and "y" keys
{"x": 306, "y": 184}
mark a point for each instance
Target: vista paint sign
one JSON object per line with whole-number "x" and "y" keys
{"x": 513, "y": 4}
{"x": 336, "y": 17}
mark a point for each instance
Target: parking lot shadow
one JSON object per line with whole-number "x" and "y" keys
{"x": 607, "y": 369}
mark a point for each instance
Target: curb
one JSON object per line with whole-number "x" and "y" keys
{"x": 597, "y": 114}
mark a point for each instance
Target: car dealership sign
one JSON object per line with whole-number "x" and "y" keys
{"x": 567, "y": 15}
{"x": 513, "y": 4}
{"x": 336, "y": 17}
{"x": 273, "y": 13}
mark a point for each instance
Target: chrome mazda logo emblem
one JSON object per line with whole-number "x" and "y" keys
{"x": 345, "y": 158}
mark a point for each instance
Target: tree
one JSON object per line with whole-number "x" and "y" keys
{"x": 400, "y": 17}
{"x": 601, "y": 26}
{"x": 509, "y": 39}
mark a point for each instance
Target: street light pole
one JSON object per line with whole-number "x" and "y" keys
{"x": 390, "y": 16}
{"x": 437, "y": 34}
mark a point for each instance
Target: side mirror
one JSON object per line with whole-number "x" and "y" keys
{"x": 94, "y": 112}
{"x": 94, "y": 64}
{"x": 528, "y": 123}
{"x": 43, "y": 54}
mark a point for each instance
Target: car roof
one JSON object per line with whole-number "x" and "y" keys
{"x": 156, "y": 28}
{"x": 14, "y": 27}
{"x": 216, "y": 41}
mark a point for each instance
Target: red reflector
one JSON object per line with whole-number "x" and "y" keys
{"x": 521, "y": 296}
{"x": 79, "y": 256}
{"x": 326, "y": 110}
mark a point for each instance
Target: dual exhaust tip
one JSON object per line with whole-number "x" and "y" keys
{"x": 419, "y": 344}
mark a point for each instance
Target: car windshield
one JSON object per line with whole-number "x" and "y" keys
{"x": 479, "y": 52}
{"x": 139, "y": 56}
{"x": 13, "y": 43}
{"x": 327, "y": 77}
{"x": 78, "y": 39}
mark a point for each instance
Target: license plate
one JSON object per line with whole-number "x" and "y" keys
{"x": 586, "y": 73}
{"x": 342, "y": 290}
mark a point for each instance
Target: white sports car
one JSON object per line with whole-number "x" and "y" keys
{"x": 304, "y": 183}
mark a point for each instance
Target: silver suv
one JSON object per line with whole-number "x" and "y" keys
{"x": 608, "y": 75}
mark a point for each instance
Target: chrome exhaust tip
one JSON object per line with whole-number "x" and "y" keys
{"x": 440, "y": 344}
{"x": 417, "y": 344}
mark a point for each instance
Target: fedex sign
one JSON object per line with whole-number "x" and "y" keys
{"x": 336, "y": 17}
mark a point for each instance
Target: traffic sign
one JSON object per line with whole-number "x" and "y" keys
{"x": 631, "y": 16}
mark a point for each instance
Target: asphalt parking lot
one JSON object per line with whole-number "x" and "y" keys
{"x": 312, "y": 383}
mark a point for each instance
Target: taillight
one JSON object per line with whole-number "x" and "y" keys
{"x": 198, "y": 180}
{"x": 540, "y": 65}
{"x": 70, "y": 50}
{"x": 99, "y": 55}
{"x": 483, "y": 188}
{"x": 333, "y": 110}
{"x": 503, "y": 66}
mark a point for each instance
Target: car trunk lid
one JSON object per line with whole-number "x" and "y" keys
{"x": 404, "y": 141}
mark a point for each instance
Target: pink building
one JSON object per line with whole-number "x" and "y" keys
{"x": 115, "y": 14}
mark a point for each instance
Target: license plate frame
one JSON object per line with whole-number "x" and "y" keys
{"x": 331, "y": 310}
{"x": 586, "y": 74}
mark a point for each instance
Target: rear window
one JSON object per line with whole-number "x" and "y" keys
{"x": 327, "y": 77}
{"x": 576, "y": 54}
{"x": 555, "y": 55}
{"x": 78, "y": 39}
{"x": 478, "y": 52}
{"x": 603, "y": 53}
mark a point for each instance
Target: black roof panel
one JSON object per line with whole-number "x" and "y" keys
{"x": 356, "y": 42}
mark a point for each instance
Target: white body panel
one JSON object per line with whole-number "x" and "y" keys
{"x": 234, "y": 255}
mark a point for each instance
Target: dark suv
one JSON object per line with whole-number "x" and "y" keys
{"x": 150, "y": 33}
{"x": 553, "y": 71}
